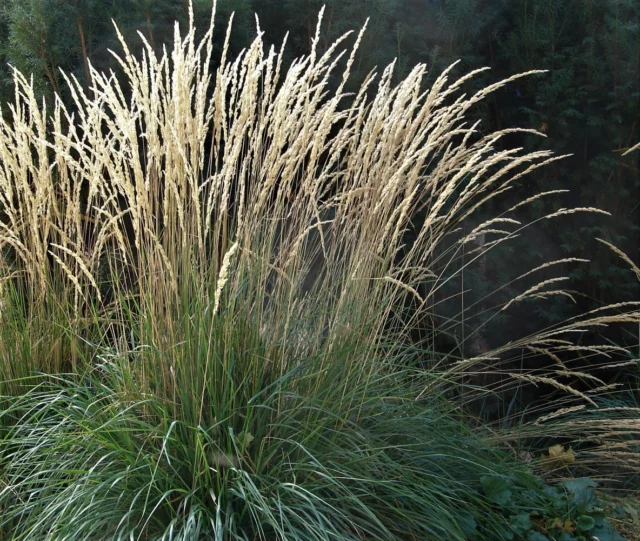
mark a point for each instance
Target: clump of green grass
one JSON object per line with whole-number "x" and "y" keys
{"x": 346, "y": 461}
{"x": 208, "y": 271}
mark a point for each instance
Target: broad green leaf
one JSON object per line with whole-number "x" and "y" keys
{"x": 520, "y": 523}
{"x": 584, "y": 498}
{"x": 468, "y": 525}
{"x": 605, "y": 532}
{"x": 496, "y": 489}
{"x": 585, "y": 523}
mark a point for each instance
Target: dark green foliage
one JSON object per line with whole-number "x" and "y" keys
{"x": 45, "y": 36}
{"x": 535, "y": 511}
{"x": 589, "y": 106}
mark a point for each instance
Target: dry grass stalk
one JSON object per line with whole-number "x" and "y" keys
{"x": 623, "y": 256}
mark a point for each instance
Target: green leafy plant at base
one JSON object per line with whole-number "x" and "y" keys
{"x": 536, "y": 511}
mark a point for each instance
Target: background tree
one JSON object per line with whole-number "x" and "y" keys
{"x": 589, "y": 106}
{"x": 32, "y": 45}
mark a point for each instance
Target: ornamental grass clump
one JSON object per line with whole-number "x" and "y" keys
{"x": 205, "y": 290}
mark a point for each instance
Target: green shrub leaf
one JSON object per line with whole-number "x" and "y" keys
{"x": 584, "y": 498}
{"x": 496, "y": 489}
{"x": 585, "y": 523}
{"x": 520, "y": 523}
{"x": 605, "y": 532}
